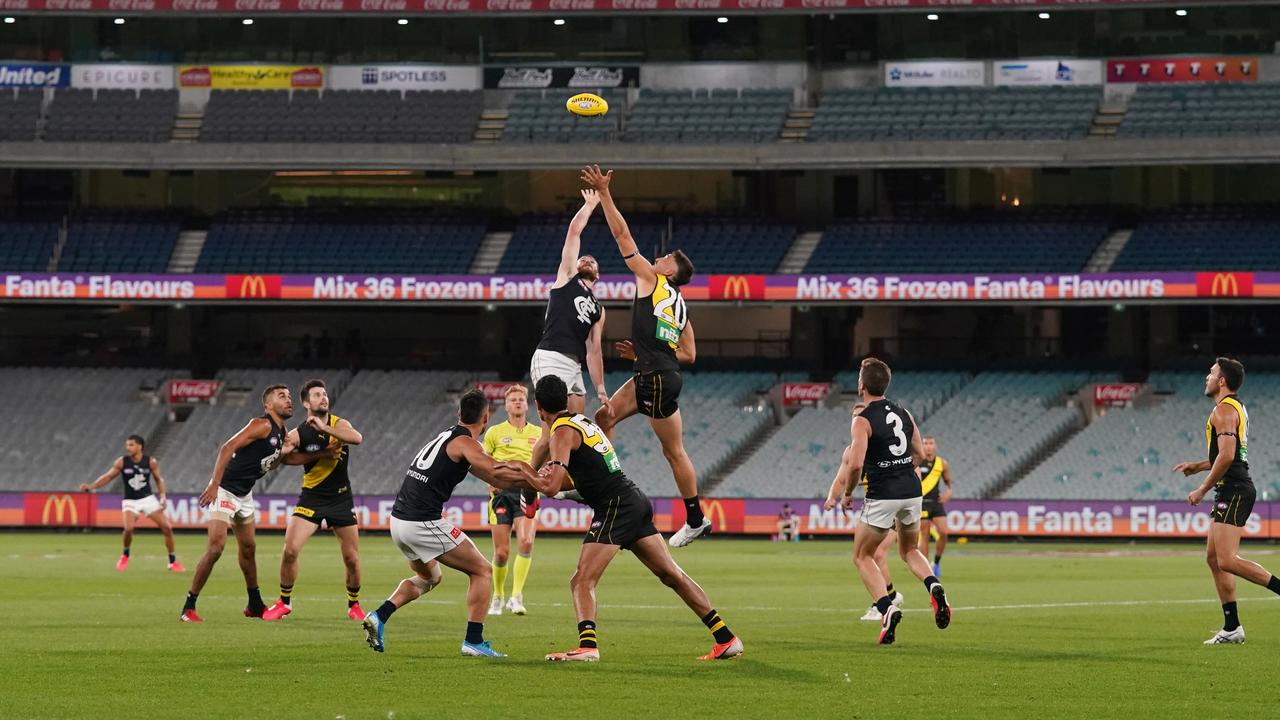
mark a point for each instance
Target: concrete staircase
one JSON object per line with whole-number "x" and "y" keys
{"x": 490, "y": 127}
{"x": 796, "y": 127}
{"x": 1108, "y": 251}
{"x": 186, "y": 127}
{"x": 186, "y": 252}
{"x": 798, "y": 254}
{"x": 1107, "y": 121}
{"x": 490, "y": 253}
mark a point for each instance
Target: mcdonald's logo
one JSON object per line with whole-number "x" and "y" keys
{"x": 714, "y": 511}
{"x": 57, "y": 510}
{"x": 736, "y": 287}
{"x": 1224, "y": 284}
{"x": 253, "y": 286}
{"x": 726, "y": 514}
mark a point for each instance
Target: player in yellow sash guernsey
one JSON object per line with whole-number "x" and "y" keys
{"x": 323, "y": 452}
{"x": 934, "y": 474}
{"x": 583, "y": 457}
{"x": 513, "y": 439}
{"x": 661, "y": 339}
{"x": 1227, "y": 435}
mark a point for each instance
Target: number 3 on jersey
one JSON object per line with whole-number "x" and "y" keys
{"x": 895, "y": 424}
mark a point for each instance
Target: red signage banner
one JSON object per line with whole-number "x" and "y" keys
{"x": 558, "y": 7}
{"x": 495, "y": 391}
{"x": 1183, "y": 69}
{"x": 193, "y": 391}
{"x": 1224, "y": 284}
{"x": 794, "y": 394}
{"x": 1115, "y": 393}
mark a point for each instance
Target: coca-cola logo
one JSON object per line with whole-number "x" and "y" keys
{"x": 312, "y": 77}
{"x": 195, "y": 5}
{"x": 1115, "y": 393}
{"x": 192, "y": 390}
{"x": 196, "y": 77}
{"x": 494, "y": 391}
{"x": 800, "y": 393}
{"x": 384, "y": 5}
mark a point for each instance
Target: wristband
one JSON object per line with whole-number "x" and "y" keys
{"x": 628, "y": 257}
{"x": 557, "y": 462}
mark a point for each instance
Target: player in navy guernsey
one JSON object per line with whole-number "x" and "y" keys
{"x": 583, "y": 457}
{"x": 427, "y": 540}
{"x": 885, "y": 443}
{"x": 661, "y": 339}
{"x": 1227, "y": 435}
{"x": 325, "y": 498}
{"x": 138, "y": 470}
{"x": 245, "y": 457}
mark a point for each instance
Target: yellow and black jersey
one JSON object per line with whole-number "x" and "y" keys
{"x": 657, "y": 320}
{"x": 593, "y": 466}
{"x": 931, "y": 478}
{"x": 326, "y": 476}
{"x": 505, "y": 442}
{"x": 1237, "y": 475}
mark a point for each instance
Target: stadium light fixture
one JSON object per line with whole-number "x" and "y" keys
{"x": 722, "y": 20}
{"x": 402, "y": 21}
{"x": 931, "y": 16}
{"x": 1180, "y": 12}
{"x": 247, "y": 21}
{"x": 1043, "y": 16}
{"x": 558, "y": 22}
{"x": 118, "y": 21}
{"x": 10, "y": 20}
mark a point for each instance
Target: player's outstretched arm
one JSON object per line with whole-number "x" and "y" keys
{"x": 1225, "y": 421}
{"x": 573, "y": 238}
{"x": 504, "y": 476}
{"x": 105, "y": 477}
{"x": 636, "y": 263}
{"x": 256, "y": 429}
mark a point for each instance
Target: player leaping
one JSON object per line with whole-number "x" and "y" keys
{"x": 325, "y": 497}
{"x": 885, "y": 441}
{"x": 660, "y": 330}
{"x": 1227, "y": 433}
{"x": 138, "y": 470}
{"x": 623, "y": 520}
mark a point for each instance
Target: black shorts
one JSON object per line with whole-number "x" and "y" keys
{"x": 1232, "y": 506}
{"x": 622, "y": 521}
{"x": 930, "y": 509}
{"x": 335, "y": 511}
{"x": 504, "y": 507}
{"x": 658, "y": 393}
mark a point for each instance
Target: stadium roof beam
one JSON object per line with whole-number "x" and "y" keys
{"x": 770, "y": 156}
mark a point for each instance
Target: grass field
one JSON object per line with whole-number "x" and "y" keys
{"x": 1039, "y": 631}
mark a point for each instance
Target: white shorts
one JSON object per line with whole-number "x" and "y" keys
{"x": 568, "y": 369}
{"x": 141, "y": 506}
{"x": 425, "y": 540}
{"x": 883, "y": 513}
{"x": 233, "y": 507}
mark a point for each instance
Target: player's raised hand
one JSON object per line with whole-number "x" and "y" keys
{"x": 625, "y": 349}
{"x": 317, "y": 424}
{"x": 590, "y": 198}
{"x": 599, "y": 181}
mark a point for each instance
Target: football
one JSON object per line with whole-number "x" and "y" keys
{"x": 587, "y": 105}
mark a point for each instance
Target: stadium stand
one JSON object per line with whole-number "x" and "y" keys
{"x": 1189, "y": 240}
{"x": 730, "y": 115}
{"x": 1216, "y": 109}
{"x": 27, "y": 245}
{"x": 716, "y": 245}
{"x": 340, "y": 116}
{"x": 322, "y": 240}
{"x": 1129, "y": 453}
{"x": 1003, "y": 113}
{"x": 78, "y": 114}
{"x": 65, "y": 426}
{"x": 535, "y": 117}
{"x": 119, "y": 242}
{"x": 802, "y": 457}
{"x": 1023, "y": 242}
{"x": 20, "y": 114}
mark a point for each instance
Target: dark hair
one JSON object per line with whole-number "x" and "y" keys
{"x": 1232, "y": 371}
{"x": 267, "y": 393}
{"x": 875, "y": 376}
{"x": 138, "y": 439}
{"x": 684, "y": 268}
{"x": 471, "y": 406}
{"x": 305, "y": 393}
{"x": 552, "y": 394}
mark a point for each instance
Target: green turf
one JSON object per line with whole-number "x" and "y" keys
{"x": 81, "y": 640}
